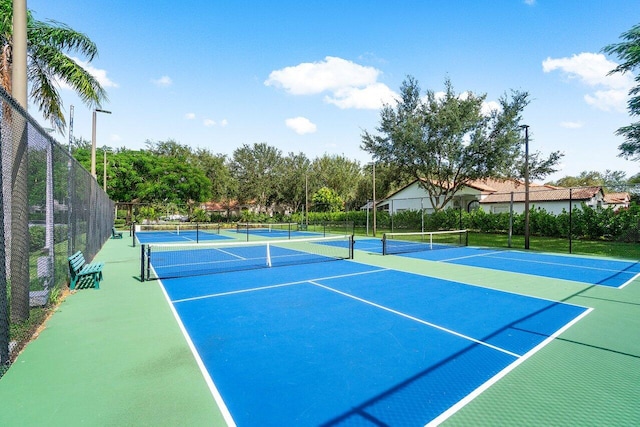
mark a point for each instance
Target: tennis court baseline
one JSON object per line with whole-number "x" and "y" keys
{"x": 346, "y": 343}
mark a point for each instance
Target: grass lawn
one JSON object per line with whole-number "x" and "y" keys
{"x": 603, "y": 248}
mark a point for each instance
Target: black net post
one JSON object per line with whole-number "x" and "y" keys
{"x": 142, "y": 263}
{"x": 352, "y": 243}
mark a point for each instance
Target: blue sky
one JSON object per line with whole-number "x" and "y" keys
{"x": 310, "y": 76}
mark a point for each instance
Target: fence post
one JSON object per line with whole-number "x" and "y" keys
{"x": 4, "y": 309}
{"x": 510, "y": 220}
{"x": 19, "y": 221}
{"x": 570, "y": 220}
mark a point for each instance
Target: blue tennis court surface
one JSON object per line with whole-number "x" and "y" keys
{"x": 595, "y": 271}
{"x": 342, "y": 343}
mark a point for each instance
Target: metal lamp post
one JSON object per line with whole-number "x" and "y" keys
{"x": 526, "y": 185}
{"x": 373, "y": 166}
{"x": 93, "y": 141}
{"x": 104, "y": 168}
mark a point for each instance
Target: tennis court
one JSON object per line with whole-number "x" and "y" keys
{"x": 591, "y": 270}
{"x": 452, "y": 249}
{"x": 346, "y": 343}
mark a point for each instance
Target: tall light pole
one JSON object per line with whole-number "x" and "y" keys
{"x": 93, "y": 141}
{"x": 526, "y": 185}
{"x": 104, "y": 168}
{"x": 373, "y": 166}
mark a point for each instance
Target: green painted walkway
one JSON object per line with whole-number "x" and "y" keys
{"x": 116, "y": 357}
{"x": 109, "y": 357}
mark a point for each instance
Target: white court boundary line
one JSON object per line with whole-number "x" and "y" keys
{"x": 475, "y": 393}
{"x": 203, "y": 369}
{"x": 629, "y": 281}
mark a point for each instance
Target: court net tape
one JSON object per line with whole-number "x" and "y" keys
{"x": 164, "y": 261}
{"x": 398, "y": 243}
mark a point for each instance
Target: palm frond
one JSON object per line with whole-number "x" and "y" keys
{"x": 62, "y": 37}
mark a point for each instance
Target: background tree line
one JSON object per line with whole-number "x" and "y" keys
{"x": 171, "y": 173}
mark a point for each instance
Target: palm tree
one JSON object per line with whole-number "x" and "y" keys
{"x": 47, "y": 64}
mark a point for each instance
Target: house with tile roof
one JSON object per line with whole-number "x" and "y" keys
{"x": 617, "y": 200}
{"x": 496, "y": 196}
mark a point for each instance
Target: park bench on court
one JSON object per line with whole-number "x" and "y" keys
{"x": 115, "y": 234}
{"x": 84, "y": 274}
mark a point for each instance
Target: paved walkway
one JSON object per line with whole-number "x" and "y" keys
{"x": 113, "y": 356}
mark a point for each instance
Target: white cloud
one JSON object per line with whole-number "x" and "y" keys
{"x": 164, "y": 81}
{"x": 211, "y": 123}
{"x": 350, "y": 85}
{"x": 370, "y": 97}
{"x": 591, "y": 69}
{"x": 530, "y": 2}
{"x": 115, "y": 138}
{"x": 572, "y": 125}
{"x": 301, "y": 125}
{"x": 489, "y": 106}
{"x": 190, "y": 116}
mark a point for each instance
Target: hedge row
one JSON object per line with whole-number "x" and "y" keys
{"x": 585, "y": 223}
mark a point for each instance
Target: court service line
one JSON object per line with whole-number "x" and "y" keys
{"x": 415, "y": 319}
{"x": 230, "y": 253}
{"x": 260, "y": 288}
{"x": 469, "y": 256}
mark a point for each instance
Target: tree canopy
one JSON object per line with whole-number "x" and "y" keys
{"x": 628, "y": 51}
{"x": 447, "y": 140}
{"x": 610, "y": 180}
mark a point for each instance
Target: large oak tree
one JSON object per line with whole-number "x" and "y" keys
{"x": 447, "y": 140}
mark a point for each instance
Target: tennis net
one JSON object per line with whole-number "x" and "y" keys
{"x": 398, "y": 243}
{"x": 164, "y": 261}
{"x": 193, "y": 231}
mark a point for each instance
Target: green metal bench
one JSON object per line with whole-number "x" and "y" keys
{"x": 80, "y": 271}
{"x": 115, "y": 234}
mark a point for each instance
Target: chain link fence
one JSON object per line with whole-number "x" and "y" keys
{"x": 50, "y": 207}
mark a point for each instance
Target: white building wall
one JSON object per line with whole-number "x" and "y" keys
{"x": 416, "y": 198}
{"x": 554, "y": 207}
